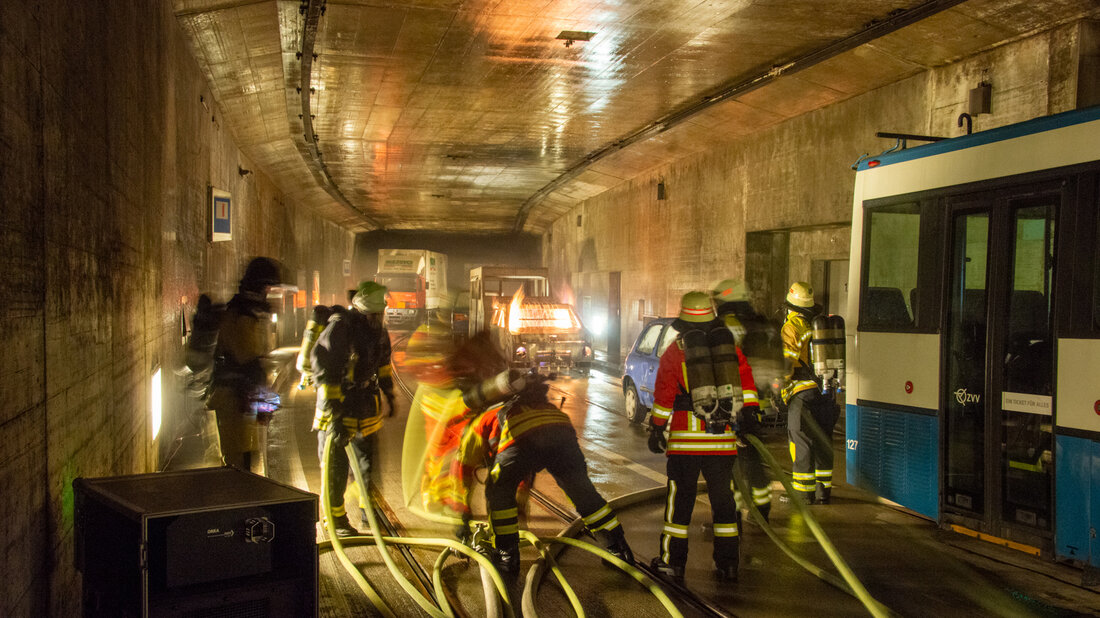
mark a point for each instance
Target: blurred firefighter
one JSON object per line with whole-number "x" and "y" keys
{"x": 351, "y": 367}
{"x": 519, "y": 433}
{"x": 226, "y": 352}
{"x": 436, "y": 417}
{"x": 730, "y": 297}
{"x": 700, "y": 443}
{"x": 811, "y": 415}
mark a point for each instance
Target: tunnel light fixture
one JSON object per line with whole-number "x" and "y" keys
{"x": 155, "y": 403}
{"x": 569, "y": 36}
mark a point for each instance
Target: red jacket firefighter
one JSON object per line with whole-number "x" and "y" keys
{"x": 672, "y": 405}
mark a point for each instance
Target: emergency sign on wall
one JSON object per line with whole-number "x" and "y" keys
{"x": 221, "y": 213}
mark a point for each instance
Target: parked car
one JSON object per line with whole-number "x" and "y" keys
{"x": 640, "y": 368}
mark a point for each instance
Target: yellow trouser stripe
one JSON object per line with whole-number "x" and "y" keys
{"x": 594, "y": 517}
{"x": 670, "y": 529}
{"x": 505, "y": 514}
{"x": 725, "y": 530}
{"x": 613, "y": 523}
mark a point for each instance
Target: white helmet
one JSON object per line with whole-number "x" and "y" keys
{"x": 800, "y": 295}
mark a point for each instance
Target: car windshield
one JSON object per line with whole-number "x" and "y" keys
{"x": 670, "y": 336}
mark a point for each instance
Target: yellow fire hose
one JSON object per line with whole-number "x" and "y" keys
{"x": 849, "y": 583}
{"x": 379, "y": 541}
{"x": 855, "y": 586}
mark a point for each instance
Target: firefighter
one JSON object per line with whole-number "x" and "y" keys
{"x": 696, "y": 445}
{"x": 351, "y": 365}
{"x": 730, "y": 296}
{"x": 519, "y": 437}
{"x": 811, "y": 415}
{"x": 436, "y": 417}
{"x": 231, "y": 342}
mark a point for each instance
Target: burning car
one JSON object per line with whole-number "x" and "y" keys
{"x": 537, "y": 332}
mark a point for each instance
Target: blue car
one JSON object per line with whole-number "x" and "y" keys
{"x": 761, "y": 346}
{"x": 640, "y": 369}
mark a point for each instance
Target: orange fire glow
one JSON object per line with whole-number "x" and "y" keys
{"x": 535, "y": 315}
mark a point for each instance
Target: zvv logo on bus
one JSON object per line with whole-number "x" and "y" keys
{"x": 964, "y": 397}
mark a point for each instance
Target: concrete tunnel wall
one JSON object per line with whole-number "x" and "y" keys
{"x": 772, "y": 208}
{"x": 107, "y": 154}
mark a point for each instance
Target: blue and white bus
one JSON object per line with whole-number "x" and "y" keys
{"x": 974, "y": 356}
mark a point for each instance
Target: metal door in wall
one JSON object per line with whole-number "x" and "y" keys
{"x": 614, "y": 318}
{"x": 998, "y": 351}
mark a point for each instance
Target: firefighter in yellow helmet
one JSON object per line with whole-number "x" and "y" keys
{"x": 701, "y": 439}
{"x": 811, "y": 415}
{"x": 351, "y": 367}
{"x": 731, "y": 303}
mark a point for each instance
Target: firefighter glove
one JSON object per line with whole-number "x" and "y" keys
{"x": 748, "y": 420}
{"x": 657, "y": 440}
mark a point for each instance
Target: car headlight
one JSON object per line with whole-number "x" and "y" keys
{"x": 521, "y": 352}
{"x": 587, "y": 351}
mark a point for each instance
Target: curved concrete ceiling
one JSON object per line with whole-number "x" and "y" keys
{"x": 498, "y": 115}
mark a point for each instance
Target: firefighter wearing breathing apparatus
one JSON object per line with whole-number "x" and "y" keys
{"x": 809, "y": 399}
{"x": 730, "y": 296}
{"x": 703, "y": 381}
{"x": 351, "y": 364}
{"x": 225, "y": 353}
{"x": 521, "y": 433}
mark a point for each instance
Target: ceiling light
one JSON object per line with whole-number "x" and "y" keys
{"x": 574, "y": 35}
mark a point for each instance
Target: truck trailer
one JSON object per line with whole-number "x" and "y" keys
{"x": 416, "y": 279}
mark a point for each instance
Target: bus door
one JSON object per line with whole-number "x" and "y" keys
{"x": 998, "y": 351}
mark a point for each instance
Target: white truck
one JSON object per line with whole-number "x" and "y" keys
{"x": 415, "y": 278}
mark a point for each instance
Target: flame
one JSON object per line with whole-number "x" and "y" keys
{"x": 539, "y": 315}
{"x": 515, "y": 309}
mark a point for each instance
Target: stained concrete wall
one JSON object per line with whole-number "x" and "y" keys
{"x": 107, "y": 153}
{"x": 790, "y": 186}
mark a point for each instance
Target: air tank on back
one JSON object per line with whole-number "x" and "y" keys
{"x": 827, "y": 352}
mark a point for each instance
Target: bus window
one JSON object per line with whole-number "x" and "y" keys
{"x": 1096, "y": 280}
{"x": 891, "y": 251}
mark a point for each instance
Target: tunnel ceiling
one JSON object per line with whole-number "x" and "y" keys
{"x": 498, "y": 115}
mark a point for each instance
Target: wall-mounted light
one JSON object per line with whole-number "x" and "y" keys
{"x": 155, "y": 403}
{"x": 578, "y": 220}
{"x": 660, "y": 189}
{"x": 981, "y": 99}
{"x": 243, "y": 172}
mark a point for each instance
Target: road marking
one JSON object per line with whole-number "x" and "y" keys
{"x": 617, "y": 459}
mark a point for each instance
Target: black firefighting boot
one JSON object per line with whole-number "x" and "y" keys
{"x": 726, "y": 573}
{"x": 808, "y": 497}
{"x": 343, "y": 528}
{"x": 823, "y": 494}
{"x": 765, "y": 510}
{"x": 673, "y": 572}
{"x": 615, "y": 543}
{"x": 507, "y": 560}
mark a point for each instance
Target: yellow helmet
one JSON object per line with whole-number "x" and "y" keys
{"x": 800, "y": 295}
{"x": 729, "y": 291}
{"x": 696, "y": 307}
